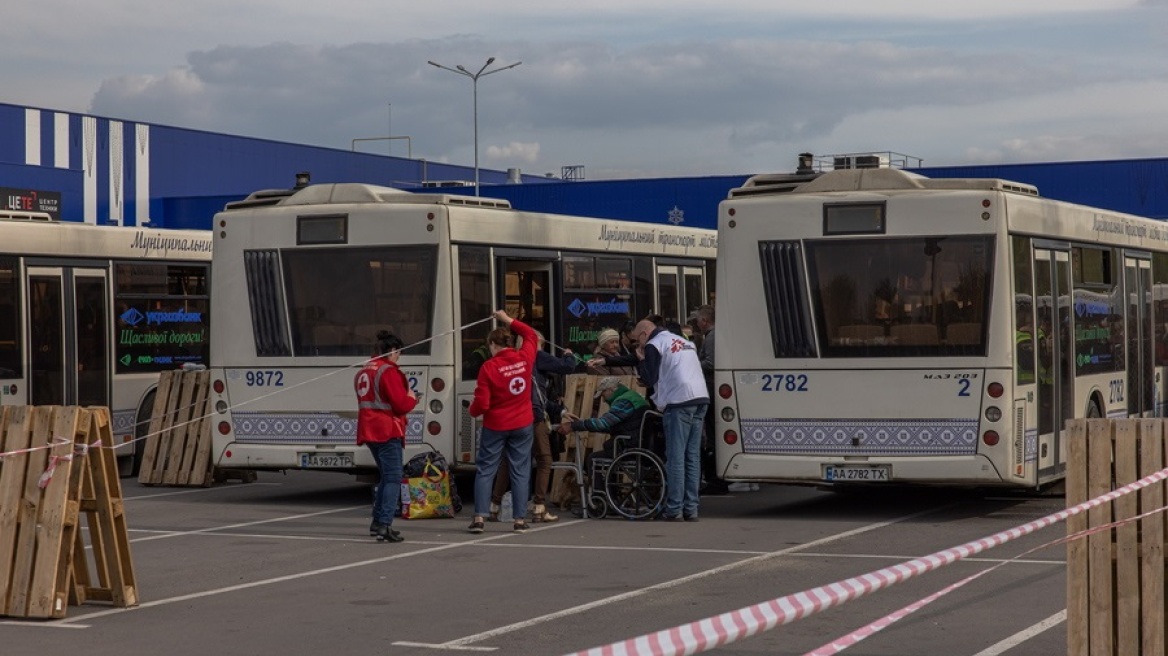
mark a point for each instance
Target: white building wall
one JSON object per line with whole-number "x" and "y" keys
{"x": 117, "y": 178}
{"x": 89, "y": 166}
{"x": 60, "y": 140}
{"x": 32, "y": 136}
{"x": 141, "y": 173}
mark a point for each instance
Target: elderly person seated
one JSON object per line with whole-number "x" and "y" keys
{"x": 626, "y": 410}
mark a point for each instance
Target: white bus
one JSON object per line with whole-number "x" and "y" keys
{"x": 880, "y": 326}
{"x": 305, "y": 279}
{"x": 90, "y": 314}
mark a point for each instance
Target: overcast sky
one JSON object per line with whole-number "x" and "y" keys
{"x": 629, "y": 88}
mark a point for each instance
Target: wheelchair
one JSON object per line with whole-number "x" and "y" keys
{"x": 629, "y": 481}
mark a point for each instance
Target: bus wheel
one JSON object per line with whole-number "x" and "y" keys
{"x": 1093, "y": 410}
{"x": 141, "y": 428}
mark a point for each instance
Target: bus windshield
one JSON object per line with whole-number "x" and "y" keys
{"x": 338, "y": 298}
{"x": 917, "y": 296}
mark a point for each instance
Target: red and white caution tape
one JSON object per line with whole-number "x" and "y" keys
{"x": 837, "y": 646}
{"x": 711, "y": 632}
{"x": 80, "y": 450}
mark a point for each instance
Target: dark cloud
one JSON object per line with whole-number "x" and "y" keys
{"x": 567, "y": 98}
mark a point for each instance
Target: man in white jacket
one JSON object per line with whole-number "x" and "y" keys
{"x": 669, "y": 364}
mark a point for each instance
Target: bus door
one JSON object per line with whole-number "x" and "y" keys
{"x": 68, "y": 336}
{"x": 525, "y": 291}
{"x": 1140, "y": 354}
{"x": 680, "y": 290}
{"x": 1055, "y": 366}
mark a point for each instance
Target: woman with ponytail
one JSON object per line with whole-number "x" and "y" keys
{"x": 384, "y": 399}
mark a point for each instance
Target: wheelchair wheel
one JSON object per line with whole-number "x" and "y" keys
{"x": 635, "y": 484}
{"x": 597, "y": 506}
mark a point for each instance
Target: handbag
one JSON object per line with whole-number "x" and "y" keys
{"x": 427, "y": 496}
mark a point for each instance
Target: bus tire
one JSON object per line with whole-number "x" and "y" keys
{"x": 141, "y": 428}
{"x": 1093, "y": 409}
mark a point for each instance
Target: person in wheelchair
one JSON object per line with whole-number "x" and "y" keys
{"x": 626, "y": 409}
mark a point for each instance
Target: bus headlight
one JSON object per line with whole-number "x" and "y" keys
{"x": 992, "y": 413}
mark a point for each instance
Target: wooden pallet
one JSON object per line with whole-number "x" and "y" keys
{"x": 178, "y": 445}
{"x": 104, "y": 511}
{"x": 53, "y": 453}
{"x": 579, "y": 399}
{"x": 1115, "y": 576}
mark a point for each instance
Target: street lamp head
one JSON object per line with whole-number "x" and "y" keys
{"x": 461, "y": 70}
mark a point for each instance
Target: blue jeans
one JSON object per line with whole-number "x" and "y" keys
{"x": 388, "y": 456}
{"x": 683, "y": 458}
{"x": 492, "y": 444}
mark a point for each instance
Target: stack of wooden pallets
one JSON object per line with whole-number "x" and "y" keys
{"x": 178, "y": 445}
{"x": 580, "y": 401}
{"x": 58, "y": 465}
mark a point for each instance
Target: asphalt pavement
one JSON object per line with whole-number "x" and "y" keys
{"x": 285, "y": 566}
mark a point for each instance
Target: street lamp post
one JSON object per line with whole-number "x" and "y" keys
{"x": 474, "y": 77}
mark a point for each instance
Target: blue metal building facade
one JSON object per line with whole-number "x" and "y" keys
{"x": 109, "y": 171}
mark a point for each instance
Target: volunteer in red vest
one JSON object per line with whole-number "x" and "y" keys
{"x": 384, "y": 399}
{"x": 502, "y": 397}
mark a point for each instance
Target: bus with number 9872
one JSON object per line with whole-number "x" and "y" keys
{"x": 883, "y": 327}
{"x": 305, "y": 278}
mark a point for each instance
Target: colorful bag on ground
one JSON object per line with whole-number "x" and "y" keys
{"x": 427, "y": 496}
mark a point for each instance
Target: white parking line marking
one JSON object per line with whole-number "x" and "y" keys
{"x": 600, "y": 547}
{"x": 1024, "y": 635}
{"x": 214, "y": 529}
{"x": 44, "y": 625}
{"x": 427, "y": 645}
{"x": 206, "y": 489}
{"x": 299, "y": 575}
{"x": 901, "y": 559}
{"x": 575, "y": 610}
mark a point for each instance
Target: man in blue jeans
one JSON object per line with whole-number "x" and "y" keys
{"x": 669, "y": 364}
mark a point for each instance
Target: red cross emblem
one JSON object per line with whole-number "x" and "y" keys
{"x": 517, "y": 385}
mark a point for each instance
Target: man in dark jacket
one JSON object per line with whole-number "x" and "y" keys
{"x": 703, "y": 320}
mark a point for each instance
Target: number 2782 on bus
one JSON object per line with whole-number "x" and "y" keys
{"x": 784, "y": 382}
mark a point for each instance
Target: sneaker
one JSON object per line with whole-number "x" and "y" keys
{"x": 519, "y": 527}
{"x": 477, "y": 525}
{"x": 540, "y": 513}
{"x": 387, "y": 534}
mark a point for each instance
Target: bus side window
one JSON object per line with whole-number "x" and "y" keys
{"x": 1024, "y": 333}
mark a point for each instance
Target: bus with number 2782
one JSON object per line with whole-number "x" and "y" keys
{"x": 891, "y": 328}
